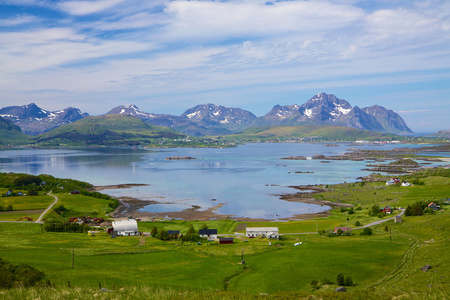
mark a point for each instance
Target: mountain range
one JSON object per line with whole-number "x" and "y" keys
{"x": 211, "y": 119}
{"x": 34, "y": 120}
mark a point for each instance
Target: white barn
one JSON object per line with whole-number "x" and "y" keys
{"x": 125, "y": 227}
{"x": 269, "y": 232}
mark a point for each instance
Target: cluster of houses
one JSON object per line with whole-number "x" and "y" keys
{"x": 397, "y": 180}
{"x": 10, "y": 193}
{"x": 130, "y": 228}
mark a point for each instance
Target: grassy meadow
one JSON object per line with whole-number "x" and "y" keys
{"x": 384, "y": 265}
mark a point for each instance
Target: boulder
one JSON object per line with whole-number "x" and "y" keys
{"x": 426, "y": 268}
{"x": 340, "y": 289}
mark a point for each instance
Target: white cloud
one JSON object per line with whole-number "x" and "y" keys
{"x": 18, "y": 20}
{"x": 80, "y": 8}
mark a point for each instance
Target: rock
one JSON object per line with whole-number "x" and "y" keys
{"x": 340, "y": 289}
{"x": 426, "y": 268}
{"x": 105, "y": 290}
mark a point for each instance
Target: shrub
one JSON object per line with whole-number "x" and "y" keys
{"x": 348, "y": 281}
{"x": 340, "y": 279}
{"x": 374, "y": 210}
{"x": 21, "y": 275}
{"x": 339, "y": 232}
{"x": 343, "y": 209}
{"x": 314, "y": 285}
{"x": 357, "y": 223}
{"x": 359, "y": 208}
{"x": 366, "y": 231}
{"x": 326, "y": 281}
{"x": 154, "y": 231}
{"x": 351, "y": 211}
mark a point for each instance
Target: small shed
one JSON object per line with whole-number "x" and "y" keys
{"x": 75, "y": 192}
{"x": 125, "y": 227}
{"x": 398, "y": 219}
{"x": 225, "y": 240}
{"x": 208, "y": 233}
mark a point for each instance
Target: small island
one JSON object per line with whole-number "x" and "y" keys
{"x": 179, "y": 157}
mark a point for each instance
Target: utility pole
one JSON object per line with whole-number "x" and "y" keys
{"x": 73, "y": 254}
{"x": 243, "y": 261}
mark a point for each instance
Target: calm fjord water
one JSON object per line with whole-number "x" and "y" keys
{"x": 247, "y": 178}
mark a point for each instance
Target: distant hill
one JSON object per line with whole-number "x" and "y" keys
{"x": 11, "y": 134}
{"x": 34, "y": 120}
{"x": 107, "y": 130}
{"x": 445, "y": 133}
{"x": 322, "y": 131}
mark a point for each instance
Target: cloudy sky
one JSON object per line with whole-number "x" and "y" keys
{"x": 167, "y": 56}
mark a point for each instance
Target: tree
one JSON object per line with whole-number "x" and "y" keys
{"x": 163, "y": 235}
{"x": 366, "y": 231}
{"x": 386, "y": 228}
{"x": 204, "y": 226}
{"x": 314, "y": 285}
{"x": 9, "y": 208}
{"x": 357, "y": 223}
{"x": 340, "y": 279}
{"x": 374, "y": 210}
{"x": 339, "y": 232}
{"x": 154, "y": 231}
{"x": 348, "y": 281}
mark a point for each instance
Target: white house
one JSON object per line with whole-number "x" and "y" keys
{"x": 125, "y": 227}
{"x": 406, "y": 183}
{"x": 269, "y": 232}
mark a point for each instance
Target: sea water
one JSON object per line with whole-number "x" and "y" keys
{"x": 248, "y": 179}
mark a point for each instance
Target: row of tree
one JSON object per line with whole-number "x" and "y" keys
{"x": 162, "y": 234}
{"x": 66, "y": 227}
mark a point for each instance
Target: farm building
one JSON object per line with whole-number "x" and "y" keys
{"x": 398, "y": 219}
{"x": 224, "y": 240}
{"x": 387, "y": 209}
{"x": 208, "y": 233}
{"x": 125, "y": 227}
{"x": 433, "y": 206}
{"x": 406, "y": 183}
{"x": 269, "y": 232}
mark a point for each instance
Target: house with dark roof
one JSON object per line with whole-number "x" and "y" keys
{"x": 175, "y": 233}
{"x": 208, "y": 233}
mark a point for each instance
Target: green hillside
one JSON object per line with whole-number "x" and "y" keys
{"x": 106, "y": 130}
{"x": 312, "y": 132}
{"x": 11, "y": 134}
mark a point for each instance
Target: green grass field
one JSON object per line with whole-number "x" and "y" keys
{"x": 383, "y": 266}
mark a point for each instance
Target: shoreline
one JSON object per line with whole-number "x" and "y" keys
{"x": 129, "y": 207}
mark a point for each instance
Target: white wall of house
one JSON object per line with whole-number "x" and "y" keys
{"x": 271, "y": 232}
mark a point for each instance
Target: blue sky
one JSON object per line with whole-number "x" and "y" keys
{"x": 168, "y": 56}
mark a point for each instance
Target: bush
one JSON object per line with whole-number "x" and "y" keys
{"x": 314, "y": 285}
{"x": 343, "y": 209}
{"x": 340, "y": 279}
{"x": 348, "y": 281}
{"x": 366, "y": 231}
{"x": 351, "y": 211}
{"x": 359, "y": 208}
{"x": 358, "y": 223}
{"x": 21, "y": 275}
{"x": 374, "y": 210}
{"x": 326, "y": 281}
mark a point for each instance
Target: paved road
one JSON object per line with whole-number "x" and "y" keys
{"x": 380, "y": 221}
{"x": 39, "y": 220}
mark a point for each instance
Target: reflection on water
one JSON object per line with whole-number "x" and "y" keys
{"x": 246, "y": 178}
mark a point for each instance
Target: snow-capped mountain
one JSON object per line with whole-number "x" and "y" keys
{"x": 327, "y": 109}
{"x": 34, "y": 120}
{"x": 217, "y": 115}
{"x": 206, "y": 119}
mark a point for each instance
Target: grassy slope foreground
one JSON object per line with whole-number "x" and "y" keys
{"x": 382, "y": 266}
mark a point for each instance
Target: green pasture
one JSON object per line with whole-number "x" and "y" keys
{"x": 371, "y": 193}
{"x": 27, "y": 202}
{"x": 78, "y": 205}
